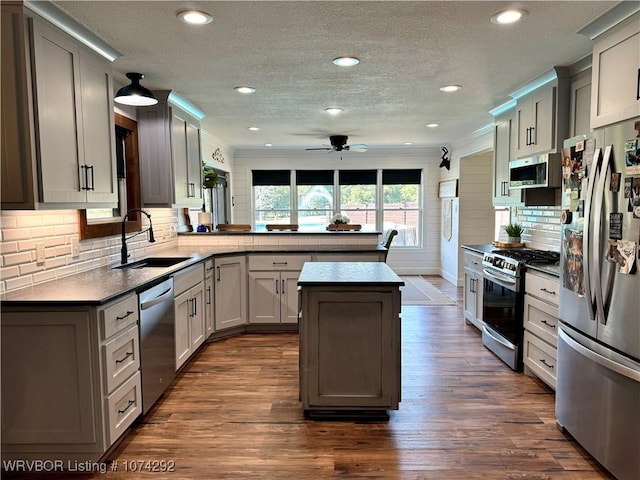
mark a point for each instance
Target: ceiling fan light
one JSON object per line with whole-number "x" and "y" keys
{"x": 508, "y": 16}
{"x": 245, "y": 90}
{"x": 253, "y": 129}
{"x": 135, "y": 94}
{"x": 195, "y": 17}
{"x": 346, "y": 61}
{"x": 333, "y": 110}
{"x": 432, "y": 125}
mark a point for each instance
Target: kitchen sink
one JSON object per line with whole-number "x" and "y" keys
{"x": 157, "y": 262}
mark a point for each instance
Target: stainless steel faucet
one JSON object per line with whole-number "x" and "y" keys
{"x": 124, "y": 254}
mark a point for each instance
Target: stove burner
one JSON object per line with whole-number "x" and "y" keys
{"x": 530, "y": 256}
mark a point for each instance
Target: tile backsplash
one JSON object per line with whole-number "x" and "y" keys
{"x": 57, "y": 230}
{"x": 542, "y": 226}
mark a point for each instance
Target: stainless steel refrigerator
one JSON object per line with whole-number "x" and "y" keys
{"x": 598, "y": 377}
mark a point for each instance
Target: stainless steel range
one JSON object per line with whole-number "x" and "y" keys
{"x": 503, "y": 300}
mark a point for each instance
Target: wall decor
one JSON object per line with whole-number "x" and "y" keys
{"x": 448, "y": 188}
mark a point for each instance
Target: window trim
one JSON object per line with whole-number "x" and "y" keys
{"x": 113, "y": 227}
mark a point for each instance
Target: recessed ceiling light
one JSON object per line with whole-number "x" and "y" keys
{"x": 245, "y": 90}
{"x": 508, "y": 16}
{"x": 333, "y": 110}
{"x": 268, "y": 144}
{"x": 432, "y": 125}
{"x": 408, "y": 143}
{"x": 253, "y": 129}
{"x": 450, "y": 88}
{"x": 346, "y": 61}
{"x": 195, "y": 17}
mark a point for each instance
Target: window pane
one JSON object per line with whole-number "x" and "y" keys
{"x": 401, "y": 210}
{"x": 315, "y": 206}
{"x": 358, "y": 202}
{"x": 272, "y": 205}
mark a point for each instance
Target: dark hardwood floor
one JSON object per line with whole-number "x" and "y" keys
{"x": 233, "y": 413}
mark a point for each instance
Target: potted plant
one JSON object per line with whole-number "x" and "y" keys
{"x": 514, "y": 231}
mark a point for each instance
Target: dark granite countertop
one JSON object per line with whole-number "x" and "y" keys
{"x": 103, "y": 284}
{"x": 348, "y": 273}
{"x": 283, "y": 232}
{"x": 480, "y": 248}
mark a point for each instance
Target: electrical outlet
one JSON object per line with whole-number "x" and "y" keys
{"x": 40, "y": 252}
{"x": 75, "y": 247}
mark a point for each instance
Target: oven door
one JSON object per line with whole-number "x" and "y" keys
{"x": 502, "y": 307}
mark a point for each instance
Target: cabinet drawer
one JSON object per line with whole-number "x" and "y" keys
{"x": 277, "y": 262}
{"x": 208, "y": 269}
{"x": 190, "y": 277}
{"x": 473, "y": 261}
{"x": 540, "y": 358}
{"x": 541, "y": 319}
{"x": 118, "y": 316}
{"x": 123, "y": 407}
{"x": 121, "y": 358}
{"x": 543, "y": 287}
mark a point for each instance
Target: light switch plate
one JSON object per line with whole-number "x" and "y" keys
{"x": 40, "y": 252}
{"x": 75, "y": 247}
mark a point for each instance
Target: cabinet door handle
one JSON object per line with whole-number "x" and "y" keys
{"x": 123, "y": 359}
{"x": 191, "y": 190}
{"x": 129, "y": 312}
{"x": 471, "y": 281}
{"x": 548, "y": 324}
{"x": 209, "y": 295}
{"x": 277, "y": 286}
{"x": 282, "y": 288}
{"x": 129, "y": 404}
{"x": 638, "y": 86}
{"x": 218, "y": 269}
{"x": 93, "y": 180}
{"x": 86, "y": 178}
{"x": 533, "y": 136}
{"x": 544, "y": 362}
{"x": 550, "y": 292}
{"x": 195, "y": 306}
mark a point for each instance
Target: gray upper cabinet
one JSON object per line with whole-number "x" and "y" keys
{"x": 58, "y": 146}
{"x": 615, "y": 94}
{"x": 170, "y": 160}
{"x": 579, "y": 121}
{"x": 542, "y": 117}
{"x": 503, "y": 151}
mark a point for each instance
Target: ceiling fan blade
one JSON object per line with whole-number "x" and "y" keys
{"x": 320, "y": 148}
{"x": 358, "y": 147}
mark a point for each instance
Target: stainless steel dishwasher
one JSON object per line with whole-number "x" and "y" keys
{"x": 157, "y": 341}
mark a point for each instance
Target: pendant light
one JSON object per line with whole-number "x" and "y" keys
{"x": 135, "y": 94}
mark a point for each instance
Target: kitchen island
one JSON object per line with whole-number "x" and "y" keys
{"x": 349, "y": 339}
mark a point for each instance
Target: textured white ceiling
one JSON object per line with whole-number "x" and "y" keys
{"x": 408, "y": 50}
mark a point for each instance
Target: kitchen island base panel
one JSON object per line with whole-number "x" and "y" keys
{"x": 360, "y": 416}
{"x": 349, "y": 350}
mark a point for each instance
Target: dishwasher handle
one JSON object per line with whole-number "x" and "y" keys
{"x": 159, "y": 299}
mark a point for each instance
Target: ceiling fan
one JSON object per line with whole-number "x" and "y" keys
{"x": 339, "y": 143}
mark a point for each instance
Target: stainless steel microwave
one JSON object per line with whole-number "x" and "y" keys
{"x": 535, "y": 172}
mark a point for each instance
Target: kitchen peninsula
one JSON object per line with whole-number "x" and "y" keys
{"x": 349, "y": 339}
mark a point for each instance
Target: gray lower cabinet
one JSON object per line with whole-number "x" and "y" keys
{"x": 230, "y": 286}
{"x": 189, "y": 309}
{"x": 349, "y": 347}
{"x": 78, "y": 389}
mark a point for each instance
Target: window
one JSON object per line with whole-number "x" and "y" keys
{"x": 358, "y": 196}
{"x": 272, "y": 197}
{"x": 314, "y": 198}
{"x": 401, "y": 205}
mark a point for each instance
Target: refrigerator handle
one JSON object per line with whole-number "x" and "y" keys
{"x": 599, "y": 359}
{"x": 604, "y": 169}
{"x": 586, "y": 238}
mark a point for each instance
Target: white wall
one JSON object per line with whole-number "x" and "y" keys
{"x": 424, "y": 260}
{"x": 472, "y": 211}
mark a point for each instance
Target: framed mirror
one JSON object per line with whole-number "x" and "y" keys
{"x": 97, "y": 223}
